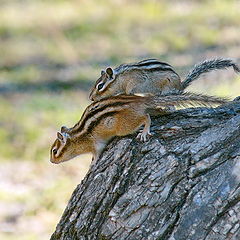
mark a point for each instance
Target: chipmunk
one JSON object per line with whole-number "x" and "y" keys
{"x": 151, "y": 76}
{"x": 117, "y": 116}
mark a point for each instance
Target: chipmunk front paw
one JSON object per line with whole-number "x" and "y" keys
{"x": 143, "y": 136}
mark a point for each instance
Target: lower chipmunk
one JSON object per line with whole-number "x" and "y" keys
{"x": 117, "y": 116}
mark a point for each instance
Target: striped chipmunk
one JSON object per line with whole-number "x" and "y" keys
{"x": 117, "y": 116}
{"x": 151, "y": 76}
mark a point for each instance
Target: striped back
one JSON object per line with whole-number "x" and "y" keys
{"x": 99, "y": 110}
{"x": 147, "y": 64}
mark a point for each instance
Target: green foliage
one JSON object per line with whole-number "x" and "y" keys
{"x": 63, "y": 31}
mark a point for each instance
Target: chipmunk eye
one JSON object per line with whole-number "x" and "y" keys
{"x": 100, "y": 86}
{"x": 54, "y": 151}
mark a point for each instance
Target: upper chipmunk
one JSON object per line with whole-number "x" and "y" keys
{"x": 117, "y": 116}
{"x": 151, "y": 76}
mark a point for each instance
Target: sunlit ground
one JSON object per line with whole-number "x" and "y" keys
{"x": 51, "y": 52}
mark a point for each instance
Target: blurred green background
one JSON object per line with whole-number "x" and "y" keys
{"x": 51, "y": 52}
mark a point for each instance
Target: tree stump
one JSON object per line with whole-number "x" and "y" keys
{"x": 182, "y": 184}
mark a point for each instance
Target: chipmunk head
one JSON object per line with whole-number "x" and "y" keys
{"x": 68, "y": 146}
{"x": 100, "y": 89}
{"x": 60, "y": 150}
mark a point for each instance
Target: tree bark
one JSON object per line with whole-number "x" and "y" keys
{"x": 182, "y": 184}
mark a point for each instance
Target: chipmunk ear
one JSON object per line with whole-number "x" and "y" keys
{"x": 63, "y": 137}
{"x": 102, "y": 72}
{"x": 64, "y": 129}
{"x": 109, "y": 72}
{"x": 60, "y": 136}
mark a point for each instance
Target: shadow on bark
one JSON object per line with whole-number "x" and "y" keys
{"x": 181, "y": 184}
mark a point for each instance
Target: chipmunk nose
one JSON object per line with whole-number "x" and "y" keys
{"x": 52, "y": 160}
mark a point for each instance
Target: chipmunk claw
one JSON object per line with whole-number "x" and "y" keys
{"x": 144, "y": 135}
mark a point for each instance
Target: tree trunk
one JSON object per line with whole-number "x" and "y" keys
{"x": 184, "y": 183}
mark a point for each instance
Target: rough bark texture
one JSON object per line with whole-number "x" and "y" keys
{"x": 183, "y": 183}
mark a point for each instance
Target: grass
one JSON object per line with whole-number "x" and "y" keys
{"x": 53, "y": 51}
{"x": 70, "y": 31}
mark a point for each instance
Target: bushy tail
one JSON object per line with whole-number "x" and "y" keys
{"x": 183, "y": 100}
{"x": 207, "y": 66}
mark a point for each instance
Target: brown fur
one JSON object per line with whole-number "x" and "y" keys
{"x": 116, "y": 116}
{"x": 138, "y": 81}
